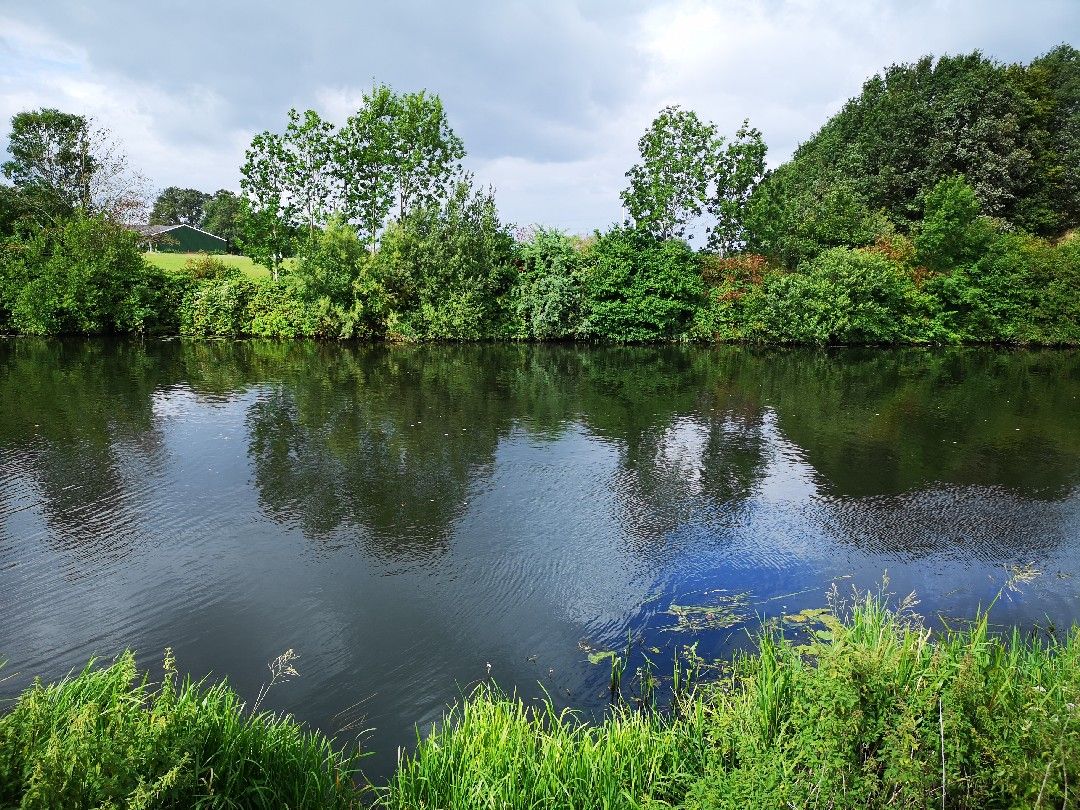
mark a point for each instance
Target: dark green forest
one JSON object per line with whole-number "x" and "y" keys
{"x": 940, "y": 205}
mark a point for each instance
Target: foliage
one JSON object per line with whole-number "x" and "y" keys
{"x": 951, "y": 233}
{"x": 222, "y": 216}
{"x": 218, "y": 306}
{"x": 732, "y": 297}
{"x": 1012, "y": 131}
{"x": 547, "y": 293}
{"x": 15, "y": 211}
{"x": 50, "y": 161}
{"x": 85, "y": 276}
{"x": 670, "y": 187}
{"x": 842, "y": 296}
{"x": 637, "y": 288}
{"x": 179, "y": 206}
{"x": 108, "y": 737}
{"x": 427, "y": 153}
{"x": 363, "y": 161}
{"x": 792, "y": 220}
{"x": 329, "y": 264}
{"x": 267, "y": 213}
{"x": 446, "y": 270}
{"x": 740, "y": 171}
{"x": 64, "y": 165}
{"x": 686, "y": 170}
{"x": 306, "y": 147}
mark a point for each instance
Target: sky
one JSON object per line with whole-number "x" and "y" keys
{"x": 549, "y": 96}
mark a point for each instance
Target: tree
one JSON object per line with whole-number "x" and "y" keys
{"x": 741, "y": 168}
{"x": 268, "y": 212}
{"x": 307, "y": 144}
{"x": 63, "y": 164}
{"x": 671, "y": 185}
{"x": 179, "y": 206}
{"x": 951, "y": 233}
{"x": 428, "y": 153}
{"x": 1012, "y": 131}
{"x": 394, "y": 149}
{"x": 364, "y": 157}
{"x": 13, "y": 210}
{"x": 330, "y": 264}
{"x": 637, "y": 288}
{"x": 222, "y": 215}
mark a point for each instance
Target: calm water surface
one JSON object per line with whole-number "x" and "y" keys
{"x": 405, "y": 517}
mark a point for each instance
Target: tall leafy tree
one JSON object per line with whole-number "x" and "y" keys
{"x": 671, "y": 185}
{"x": 179, "y": 206}
{"x": 396, "y": 151}
{"x": 266, "y": 232}
{"x": 63, "y": 164}
{"x": 307, "y": 144}
{"x": 740, "y": 168}
{"x": 365, "y": 153}
{"x": 427, "y": 152}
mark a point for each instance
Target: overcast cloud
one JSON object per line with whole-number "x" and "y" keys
{"x": 549, "y": 96}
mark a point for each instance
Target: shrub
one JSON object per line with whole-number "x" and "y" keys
{"x": 218, "y": 307}
{"x": 792, "y": 219}
{"x": 445, "y": 271}
{"x": 85, "y": 276}
{"x": 329, "y": 264}
{"x": 952, "y": 234}
{"x": 637, "y": 288}
{"x": 205, "y": 266}
{"x": 734, "y": 289}
{"x": 547, "y": 292}
{"x": 1055, "y": 318}
{"x": 282, "y": 309}
{"x": 843, "y": 296}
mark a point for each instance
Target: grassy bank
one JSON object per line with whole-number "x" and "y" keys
{"x": 869, "y": 710}
{"x": 108, "y": 738}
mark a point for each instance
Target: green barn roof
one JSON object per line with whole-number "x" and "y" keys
{"x": 182, "y": 239}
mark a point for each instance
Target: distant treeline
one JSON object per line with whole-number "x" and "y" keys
{"x": 937, "y": 206}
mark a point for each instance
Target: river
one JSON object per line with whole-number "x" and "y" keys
{"x": 411, "y": 520}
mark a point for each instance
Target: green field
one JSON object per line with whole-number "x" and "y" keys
{"x": 176, "y": 261}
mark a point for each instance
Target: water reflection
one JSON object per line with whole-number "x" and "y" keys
{"x": 404, "y": 516}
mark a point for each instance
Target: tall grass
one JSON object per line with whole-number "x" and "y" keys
{"x": 866, "y": 708}
{"x": 873, "y": 712}
{"x": 496, "y": 752}
{"x": 108, "y": 738}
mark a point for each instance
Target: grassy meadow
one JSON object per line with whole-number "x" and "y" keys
{"x": 174, "y": 262}
{"x": 861, "y": 707}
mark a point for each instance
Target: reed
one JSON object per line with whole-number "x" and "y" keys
{"x": 867, "y": 709}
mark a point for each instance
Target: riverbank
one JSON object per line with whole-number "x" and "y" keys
{"x": 454, "y": 281}
{"x": 862, "y": 708}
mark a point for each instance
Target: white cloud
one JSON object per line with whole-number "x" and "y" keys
{"x": 171, "y": 138}
{"x": 550, "y": 100}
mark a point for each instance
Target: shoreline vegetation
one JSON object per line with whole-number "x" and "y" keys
{"x": 939, "y": 206}
{"x": 861, "y": 707}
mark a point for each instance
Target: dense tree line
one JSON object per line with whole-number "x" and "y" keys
{"x": 935, "y": 207}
